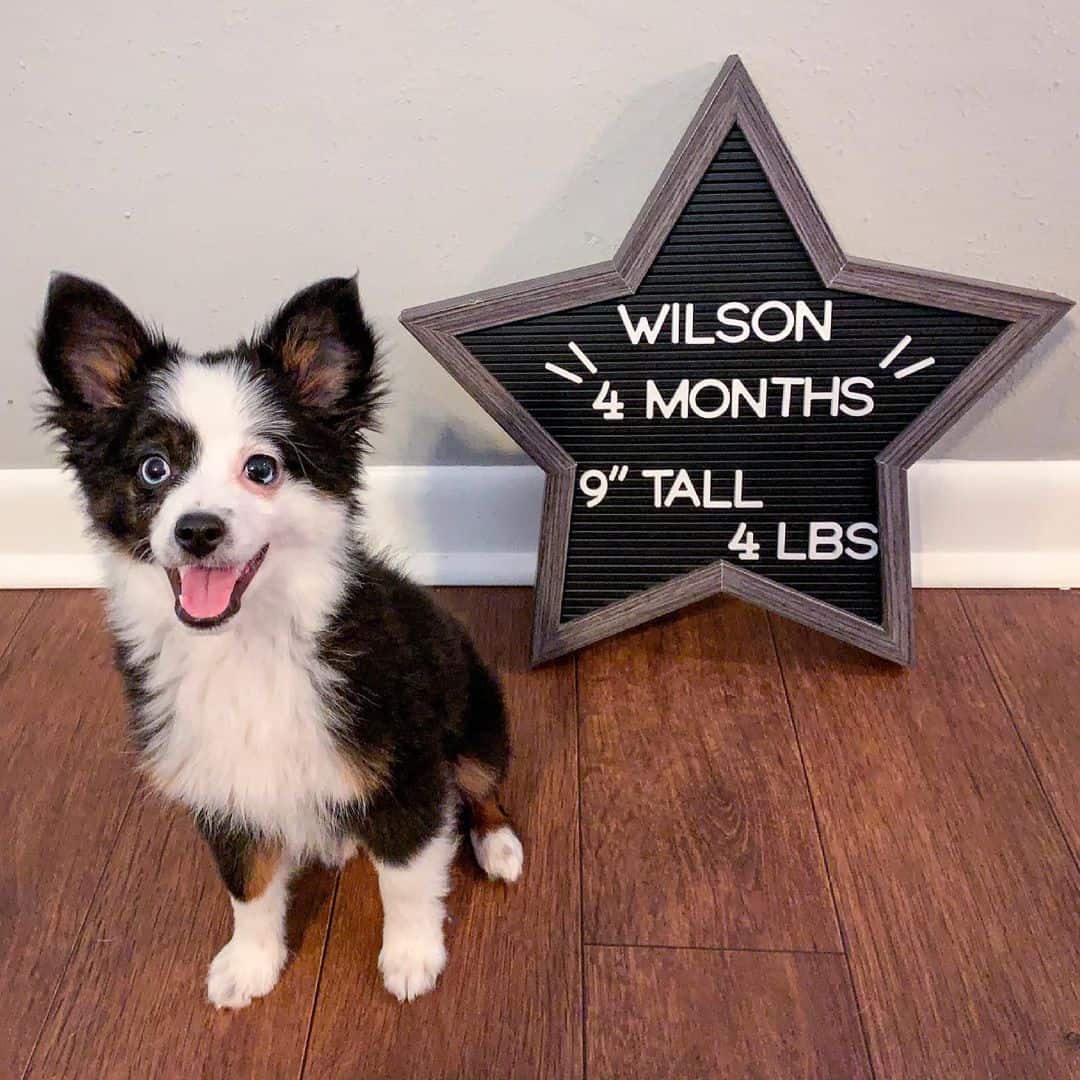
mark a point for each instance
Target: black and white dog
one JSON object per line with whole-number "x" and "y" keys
{"x": 299, "y": 696}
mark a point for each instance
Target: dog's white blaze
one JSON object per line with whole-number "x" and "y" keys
{"x": 223, "y": 402}
{"x": 231, "y": 414}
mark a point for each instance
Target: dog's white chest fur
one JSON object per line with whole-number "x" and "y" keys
{"x": 245, "y": 733}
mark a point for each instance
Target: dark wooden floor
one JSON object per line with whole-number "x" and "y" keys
{"x": 750, "y": 851}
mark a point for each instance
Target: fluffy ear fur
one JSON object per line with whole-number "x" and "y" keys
{"x": 90, "y": 344}
{"x": 325, "y": 351}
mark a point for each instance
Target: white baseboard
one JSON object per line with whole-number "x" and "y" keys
{"x": 974, "y": 524}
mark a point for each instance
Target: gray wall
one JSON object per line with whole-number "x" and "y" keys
{"x": 204, "y": 160}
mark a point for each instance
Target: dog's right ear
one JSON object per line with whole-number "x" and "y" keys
{"x": 89, "y": 344}
{"x": 323, "y": 347}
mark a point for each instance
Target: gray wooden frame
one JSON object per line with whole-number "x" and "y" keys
{"x": 731, "y": 99}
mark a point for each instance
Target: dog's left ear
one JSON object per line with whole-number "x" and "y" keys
{"x": 90, "y": 344}
{"x": 321, "y": 344}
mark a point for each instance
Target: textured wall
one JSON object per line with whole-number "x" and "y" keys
{"x": 204, "y": 160}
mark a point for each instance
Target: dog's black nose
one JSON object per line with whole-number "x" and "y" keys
{"x": 199, "y": 533}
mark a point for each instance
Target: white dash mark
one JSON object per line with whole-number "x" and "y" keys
{"x": 586, "y": 363}
{"x": 903, "y": 343}
{"x": 903, "y": 373}
{"x": 563, "y": 373}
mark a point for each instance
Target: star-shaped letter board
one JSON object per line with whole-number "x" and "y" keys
{"x": 730, "y": 404}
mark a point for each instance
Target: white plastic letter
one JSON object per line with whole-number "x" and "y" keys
{"x": 803, "y": 315}
{"x": 776, "y": 335}
{"x": 825, "y": 543}
{"x": 781, "y": 546}
{"x": 832, "y": 396}
{"x": 654, "y": 400}
{"x": 722, "y": 317}
{"x": 710, "y": 384}
{"x": 709, "y": 502}
{"x": 851, "y": 394}
{"x": 682, "y": 488}
{"x": 758, "y": 405}
{"x": 643, "y": 328}
{"x": 657, "y": 477}
{"x": 740, "y": 502}
{"x": 869, "y": 548}
{"x": 788, "y": 382}
{"x": 689, "y": 336}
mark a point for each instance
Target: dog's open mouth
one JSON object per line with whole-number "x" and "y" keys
{"x": 207, "y": 596}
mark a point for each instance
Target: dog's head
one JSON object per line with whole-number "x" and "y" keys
{"x": 226, "y": 471}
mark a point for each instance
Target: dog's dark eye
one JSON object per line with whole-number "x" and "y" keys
{"x": 154, "y": 470}
{"x": 261, "y": 469}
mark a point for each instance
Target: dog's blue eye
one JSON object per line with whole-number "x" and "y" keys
{"x": 154, "y": 470}
{"x": 261, "y": 469}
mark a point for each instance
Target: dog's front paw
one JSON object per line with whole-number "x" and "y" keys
{"x": 243, "y": 970}
{"x": 412, "y": 962}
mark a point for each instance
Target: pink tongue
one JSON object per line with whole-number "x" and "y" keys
{"x": 205, "y": 593}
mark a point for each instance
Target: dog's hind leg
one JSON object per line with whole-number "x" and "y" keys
{"x": 494, "y": 842}
{"x": 482, "y": 752}
{"x": 479, "y": 769}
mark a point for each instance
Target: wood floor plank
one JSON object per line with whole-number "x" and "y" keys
{"x": 509, "y": 1002}
{"x": 957, "y": 894}
{"x": 133, "y": 1001}
{"x": 697, "y": 828}
{"x": 1032, "y": 641}
{"x": 14, "y": 606}
{"x": 66, "y": 781}
{"x": 690, "y": 1013}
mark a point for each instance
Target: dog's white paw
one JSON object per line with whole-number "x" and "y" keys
{"x": 499, "y": 853}
{"x": 243, "y": 970}
{"x": 411, "y": 963}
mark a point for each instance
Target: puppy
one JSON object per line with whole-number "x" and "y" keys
{"x": 296, "y": 694}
